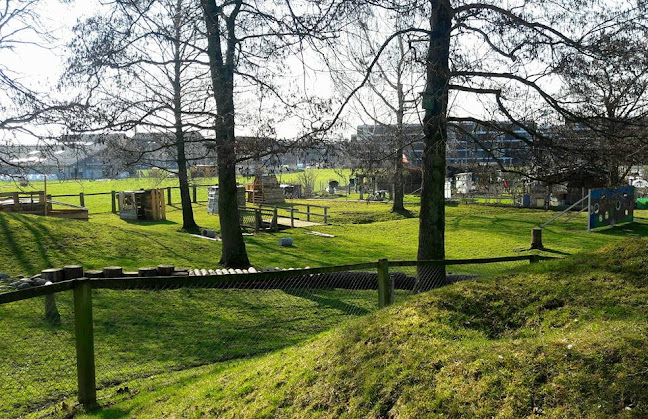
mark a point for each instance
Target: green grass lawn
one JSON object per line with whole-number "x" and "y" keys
{"x": 34, "y": 243}
{"x": 102, "y": 203}
{"x": 144, "y": 333}
{"x": 558, "y": 339}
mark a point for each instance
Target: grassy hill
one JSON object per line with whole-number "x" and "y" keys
{"x": 560, "y": 339}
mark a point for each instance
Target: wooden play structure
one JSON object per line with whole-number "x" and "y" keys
{"x": 146, "y": 205}
{"x": 36, "y": 203}
{"x": 265, "y": 190}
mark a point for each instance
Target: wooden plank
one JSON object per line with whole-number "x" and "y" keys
{"x": 461, "y": 261}
{"x": 28, "y": 293}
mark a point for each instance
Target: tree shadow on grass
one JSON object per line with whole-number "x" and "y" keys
{"x": 557, "y": 252}
{"x": 334, "y": 303}
{"x": 639, "y": 229}
{"x": 23, "y": 259}
{"x": 41, "y": 235}
{"x": 147, "y": 223}
{"x": 405, "y": 213}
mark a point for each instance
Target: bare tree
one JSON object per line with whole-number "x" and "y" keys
{"x": 610, "y": 90}
{"x": 244, "y": 39}
{"x": 501, "y": 58}
{"x": 26, "y": 111}
{"x": 388, "y": 99}
{"x": 143, "y": 67}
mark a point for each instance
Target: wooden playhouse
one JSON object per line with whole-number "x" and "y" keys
{"x": 265, "y": 190}
{"x": 143, "y": 205}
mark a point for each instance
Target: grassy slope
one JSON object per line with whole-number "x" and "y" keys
{"x": 562, "y": 339}
{"x": 35, "y": 243}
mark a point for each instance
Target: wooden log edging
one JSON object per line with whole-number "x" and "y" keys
{"x": 220, "y": 278}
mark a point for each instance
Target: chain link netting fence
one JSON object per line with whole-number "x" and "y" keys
{"x": 145, "y": 326}
{"x": 148, "y": 331}
{"x": 37, "y": 353}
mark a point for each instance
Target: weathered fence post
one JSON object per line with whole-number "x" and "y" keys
{"x": 113, "y": 272}
{"x": 113, "y": 202}
{"x": 82, "y": 199}
{"x": 536, "y": 238}
{"x": 325, "y": 215}
{"x": 258, "y": 221}
{"x": 51, "y": 311}
{"x": 195, "y": 194}
{"x": 72, "y": 272}
{"x": 165, "y": 270}
{"x": 84, "y": 344}
{"x": 168, "y": 195}
{"x": 292, "y": 217}
{"x": 307, "y": 212}
{"x": 275, "y": 221}
{"x": 385, "y": 285}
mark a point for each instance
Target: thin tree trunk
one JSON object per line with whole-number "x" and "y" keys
{"x": 398, "y": 205}
{"x": 222, "y": 74}
{"x": 432, "y": 215}
{"x": 188, "y": 221}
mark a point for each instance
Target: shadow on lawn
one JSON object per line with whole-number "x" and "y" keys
{"x": 639, "y": 229}
{"x": 139, "y": 333}
{"x": 152, "y": 223}
{"x": 334, "y": 303}
{"x": 40, "y": 236}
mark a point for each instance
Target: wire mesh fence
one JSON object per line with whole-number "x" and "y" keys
{"x": 147, "y": 325}
{"x": 144, "y": 332}
{"x": 37, "y": 353}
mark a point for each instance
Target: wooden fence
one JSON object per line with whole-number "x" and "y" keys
{"x": 167, "y": 277}
{"x": 113, "y": 196}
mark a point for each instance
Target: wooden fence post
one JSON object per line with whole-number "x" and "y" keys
{"x": 113, "y": 201}
{"x": 83, "y": 331}
{"x": 82, "y": 199}
{"x": 258, "y": 221}
{"x": 536, "y": 238}
{"x": 275, "y": 221}
{"x": 51, "y": 311}
{"x": 195, "y": 194}
{"x": 292, "y": 217}
{"x": 385, "y": 285}
{"x": 325, "y": 215}
{"x": 307, "y": 212}
{"x": 168, "y": 195}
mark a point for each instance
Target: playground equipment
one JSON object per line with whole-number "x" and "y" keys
{"x": 142, "y": 205}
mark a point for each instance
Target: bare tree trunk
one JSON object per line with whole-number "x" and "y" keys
{"x": 398, "y": 205}
{"x": 432, "y": 216}
{"x": 222, "y": 73}
{"x": 188, "y": 221}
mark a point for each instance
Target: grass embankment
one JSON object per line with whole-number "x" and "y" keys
{"x": 565, "y": 339}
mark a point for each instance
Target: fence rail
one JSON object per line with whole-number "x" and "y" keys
{"x": 91, "y": 313}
